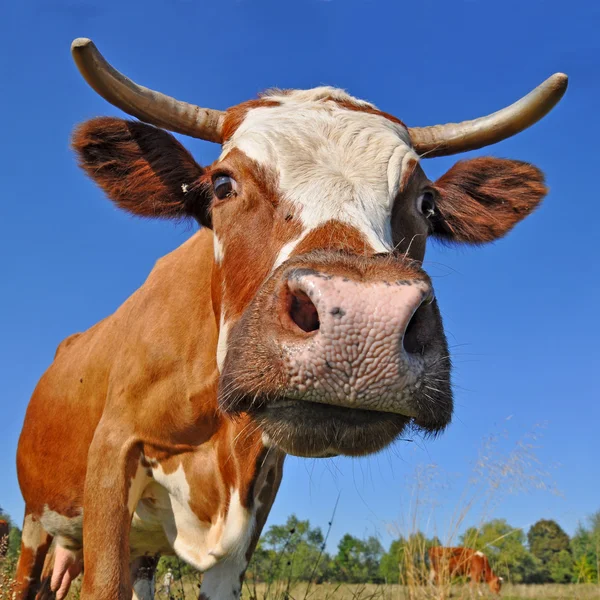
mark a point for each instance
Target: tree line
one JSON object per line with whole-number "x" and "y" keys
{"x": 546, "y": 554}
{"x": 296, "y": 551}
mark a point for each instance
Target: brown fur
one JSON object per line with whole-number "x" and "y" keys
{"x": 141, "y": 168}
{"x": 33, "y": 568}
{"x": 148, "y": 350}
{"x": 252, "y": 226}
{"x": 454, "y": 562}
{"x": 335, "y": 235}
{"x": 482, "y": 199}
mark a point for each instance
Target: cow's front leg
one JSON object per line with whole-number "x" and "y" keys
{"x": 114, "y": 483}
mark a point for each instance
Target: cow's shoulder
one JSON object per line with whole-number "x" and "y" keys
{"x": 154, "y": 322}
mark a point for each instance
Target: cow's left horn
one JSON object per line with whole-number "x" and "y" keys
{"x": 145, "y": 104}
{"x": 451, "y": 138}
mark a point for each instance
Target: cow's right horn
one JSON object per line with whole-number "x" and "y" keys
{"x": 140, "y": 102}
{"x": 451, "y": 138}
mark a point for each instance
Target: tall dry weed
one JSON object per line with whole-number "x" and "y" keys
{"x": 495, "y": 474}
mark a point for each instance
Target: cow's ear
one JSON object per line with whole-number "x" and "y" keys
{"x": 144, "y": 170}
{"x": 482, "y": 199}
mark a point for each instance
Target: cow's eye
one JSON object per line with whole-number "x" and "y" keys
{"x": 426, "y": 204}
{"x": 224, "y": 186}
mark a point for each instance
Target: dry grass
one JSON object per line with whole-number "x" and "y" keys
{"x": 496, "y": 474}
{"x": 7, "y": 570}
{"x": 333, "y": 591}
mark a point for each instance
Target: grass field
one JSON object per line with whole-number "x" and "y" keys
{"x": 398, "y": 592}
{"x": 330, "y": 591}
{"x": 188, "y": 588}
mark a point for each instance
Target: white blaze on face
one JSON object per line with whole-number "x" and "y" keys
{"x": 218, "y": 250}
{"x": 288, "y": 248}
{"x": 222, "y": 343}
{"x": 333, "y": 163}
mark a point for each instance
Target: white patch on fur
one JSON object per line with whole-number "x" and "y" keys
{"x": 30, "y": 538}
{"x": 222, "y": 343}
{"x": 223, "y": 580}
{"x": 332, "y": 163}
{"x": 287, "y": 249}
{"x": 187, "y": 535}
{"x": 218, "y": 249}
{"x": 136, "y": 487}
{"x": 315, "y": 94}
{"x": 237, "y": 528}
{"x": 479, "y": 553}
{"x": 200, "y": 543}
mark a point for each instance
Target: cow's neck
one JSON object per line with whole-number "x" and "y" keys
{"x": 223, "y": 482}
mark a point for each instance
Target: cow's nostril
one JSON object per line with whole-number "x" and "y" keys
{"x": 415, "y": 336}
{"x": 303, "y": 312}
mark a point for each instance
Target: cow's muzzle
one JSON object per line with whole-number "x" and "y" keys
{"x": 342, "y": 347}
{"x": 357, "y": 344}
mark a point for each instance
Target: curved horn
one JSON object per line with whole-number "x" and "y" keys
{"x": 451, "y": 138}
{"x": 143, "y": 103}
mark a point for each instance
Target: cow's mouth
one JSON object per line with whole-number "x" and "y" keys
{"x": 311, "y": 429}
{"x": 338, "y": 354}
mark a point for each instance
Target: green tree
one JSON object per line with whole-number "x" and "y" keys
{"x": 357, "y": 561}
{"x": 583, "y": 571}
{"x": 389, "y": 566}
{"x": 505, "y": 548}
{"x": 293, "y": 552}
{"x": 594, "y": 521}
{"x": 372, "y": 554}
{"x": 262, "y": 564}
{"x": 585, "y": 547}
{"x": 560, "y": 567}
{"x": 551, "y": 546}
{"x": 407, "y": 559}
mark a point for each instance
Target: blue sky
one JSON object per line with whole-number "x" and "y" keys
{"x": 521, "y": 314}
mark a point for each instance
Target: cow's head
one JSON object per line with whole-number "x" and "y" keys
{"x": 495, "y": 584}
{"x": 329, "y": 330}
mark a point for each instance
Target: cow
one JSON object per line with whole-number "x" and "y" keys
{"x": 4, "y": 530}
{"x": 446, "y": 563}
{"x": 297, "y": 320}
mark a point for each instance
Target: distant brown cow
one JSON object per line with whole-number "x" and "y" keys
{"x": 3, "y": 538}
{"x": 463, "y": 561}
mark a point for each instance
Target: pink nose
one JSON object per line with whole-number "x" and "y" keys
{"x": 357, "y": 343}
